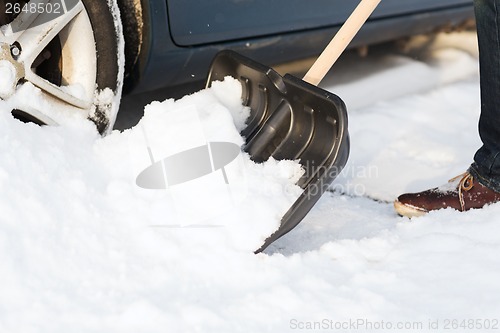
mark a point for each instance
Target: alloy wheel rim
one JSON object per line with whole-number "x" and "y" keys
{"x": 29, "y": 43}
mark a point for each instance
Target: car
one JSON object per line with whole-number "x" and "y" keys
{"x": 83, "y": 54}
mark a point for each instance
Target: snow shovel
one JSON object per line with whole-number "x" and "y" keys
{"x": 293, "y": 119}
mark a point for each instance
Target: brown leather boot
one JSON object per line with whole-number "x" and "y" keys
{"x": 461, "y": 193}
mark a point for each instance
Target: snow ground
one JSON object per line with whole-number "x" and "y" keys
{"x": 83, "y": 249}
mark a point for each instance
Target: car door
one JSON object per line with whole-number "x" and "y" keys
{"x": 197, "y": 22}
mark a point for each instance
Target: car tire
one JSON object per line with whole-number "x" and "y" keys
{"x": 78, "y": 71}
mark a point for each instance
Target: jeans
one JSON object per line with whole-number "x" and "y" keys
{"x": 486, "y": 166}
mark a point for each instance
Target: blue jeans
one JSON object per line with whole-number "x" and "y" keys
{"x": 486, "y": 166}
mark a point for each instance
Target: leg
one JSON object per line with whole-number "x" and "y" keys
{"x": 486, "y": 167}
{"x": 481, "y": 184}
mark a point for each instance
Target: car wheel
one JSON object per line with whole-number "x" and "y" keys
{"x": 61, "y": 59}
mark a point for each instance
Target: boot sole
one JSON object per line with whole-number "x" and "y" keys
{"x": 408, "y": 210}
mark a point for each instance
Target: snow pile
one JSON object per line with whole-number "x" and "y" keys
{"x": 77, "y": 234}
{"x": 82, "y": 248}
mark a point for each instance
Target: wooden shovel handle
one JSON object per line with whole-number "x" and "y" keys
{"x": 340, "y": 42}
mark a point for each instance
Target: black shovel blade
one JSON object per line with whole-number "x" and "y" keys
{"x": 293, "y": 120}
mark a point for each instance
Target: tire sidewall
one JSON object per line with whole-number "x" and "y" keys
{"x": 105, "y": 20}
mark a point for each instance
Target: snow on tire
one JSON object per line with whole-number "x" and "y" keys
{"x": 61, "y": 65}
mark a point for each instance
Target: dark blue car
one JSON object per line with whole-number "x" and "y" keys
{"x": 74, "y": 53}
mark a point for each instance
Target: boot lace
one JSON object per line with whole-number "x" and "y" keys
{"x": 466, "y": 184}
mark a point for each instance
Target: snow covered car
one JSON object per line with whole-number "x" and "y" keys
{"x": 72, "y": 50}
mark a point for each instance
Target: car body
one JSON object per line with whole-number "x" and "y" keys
{"x": 180, "y": 37}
